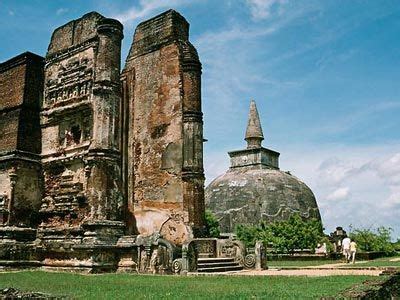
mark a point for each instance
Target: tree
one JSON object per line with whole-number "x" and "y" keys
{"x": 373, "y": 240}
{"x": 283, "y": 236}
{"x": 212, "y": 225}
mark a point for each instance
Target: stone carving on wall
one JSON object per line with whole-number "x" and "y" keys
{"x": 156, "y": 254}
{"x": 206, "y": 247}
{"x": 284, "y": 212}
{"x": 155, "y": 261}
{"x": 192, "y": 256}
{"x": 3, "y": 209}
{"x": 177, "y": 266}
{"x": 72, "y": 81}
{"x": 232, "y": 248}
{"x": 143, "y": 261}
{"x": 250, "y": 261}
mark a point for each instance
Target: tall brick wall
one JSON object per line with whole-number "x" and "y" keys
{"x": 76, "y": 120}
{"x": 12, "y": 85}
{"x": 163, "y": 130}
{"x": 9, "y": 121}
{"x": 12, "y": 82}
{"x": 21, "y": 87}
{"x": 80, "y": 123}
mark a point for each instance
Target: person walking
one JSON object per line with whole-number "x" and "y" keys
{"x": 346, "y": 248}
{"x": 353, "y": 250}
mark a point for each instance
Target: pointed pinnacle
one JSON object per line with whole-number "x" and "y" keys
{"x": 254, "y": 133}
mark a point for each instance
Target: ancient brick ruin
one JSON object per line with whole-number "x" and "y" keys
{"x": 163, "y": 130}
{"x": 21, "y": 88}
{"x": 102, "y": 170}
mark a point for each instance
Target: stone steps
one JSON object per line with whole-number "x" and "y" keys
{"x": 221, "y": 264}
{"x": 202, "y": 260}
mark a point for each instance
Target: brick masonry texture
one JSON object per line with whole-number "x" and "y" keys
{"x": 92, "y": 158}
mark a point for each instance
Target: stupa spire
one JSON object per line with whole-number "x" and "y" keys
{"x": 254, "y": 133}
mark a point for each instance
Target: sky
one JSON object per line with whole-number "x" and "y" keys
{"x": 323, "y": 75}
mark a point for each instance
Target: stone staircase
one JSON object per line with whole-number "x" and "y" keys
{"x": 214, "y": 264}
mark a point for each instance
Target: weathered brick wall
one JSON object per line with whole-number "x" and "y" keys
{"x": 29, "y": 130}
{"x": 12, "y": 84}
{"x": 21, "y": 86}
{"x": 74, "y": 33}
{"x": 163, "y": 133}
{"x": 9, "y": 130}
{"x": 80, "y": 123}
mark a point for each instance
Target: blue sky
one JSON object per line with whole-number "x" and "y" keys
{"x": 323, "y": 73}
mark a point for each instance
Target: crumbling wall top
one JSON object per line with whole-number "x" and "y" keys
{"x": 157, "y": 32}
{"x": 75, "y": 32}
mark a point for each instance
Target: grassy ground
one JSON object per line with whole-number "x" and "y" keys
{"x": 123, "y": 286}
{"x": 392, "y": 261}
{"x": 379, "y": 262}
{"x": 299, "y": 263}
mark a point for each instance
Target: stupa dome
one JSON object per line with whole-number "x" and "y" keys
{"x": 255, "y": 189}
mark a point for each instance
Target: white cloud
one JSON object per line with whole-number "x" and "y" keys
{"x": 339, "y": 194}
{"x": 366, "y": 177}
{"x": 334, "y": 170}
{"x": 262, "y": 9}
{"x": 61, "y": 11}
{"x": 147, "y": 8}
{"x": 389, "y": 169}
{"x": 356, "y": 186}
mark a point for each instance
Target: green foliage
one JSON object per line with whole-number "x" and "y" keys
{"x": 283, "y": 236}
{"x": 373, "y": 240}
{"x": 396, "y": 245}
{"x": 212, "y": 225}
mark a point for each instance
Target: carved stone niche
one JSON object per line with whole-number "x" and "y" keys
{"x": 75, "y": 131}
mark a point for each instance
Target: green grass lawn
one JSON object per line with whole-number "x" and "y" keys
{"x": 124, "y": 286}
{"x": 299, "y": 263}
{"x": 379, "y": 262}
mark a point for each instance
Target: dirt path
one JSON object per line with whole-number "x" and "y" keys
{"x": 395, "y": 259}
{"x": 310, "y": 272}
{"x": 299, "y": 272}
{"x": 335, "y": 265}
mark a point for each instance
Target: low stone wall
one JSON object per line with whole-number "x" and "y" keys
{"x": 370, "y": 255}
{"x": 100, "y": 249}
